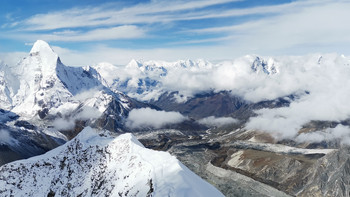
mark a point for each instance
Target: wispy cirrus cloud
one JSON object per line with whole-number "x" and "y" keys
{"x": 99, "y": 34}
{"x": 293, "y": 28}
{"x": 109, "y": 14}
{"x": 109, "y": 21}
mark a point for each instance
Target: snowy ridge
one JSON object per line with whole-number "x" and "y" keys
{"x": 99, "y": 164}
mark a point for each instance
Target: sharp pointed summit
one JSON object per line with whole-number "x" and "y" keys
{"x": 44, "y": 82}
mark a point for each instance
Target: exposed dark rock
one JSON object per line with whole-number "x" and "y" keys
{"x": 216, "y": 104}
{"x": 43, "y": 113}
{"x": 24, "y": 124}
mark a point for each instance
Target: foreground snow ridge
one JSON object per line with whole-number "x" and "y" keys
{"x": 96, "y": 163}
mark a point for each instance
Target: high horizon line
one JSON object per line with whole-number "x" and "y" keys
{"x": 165, "y": 61}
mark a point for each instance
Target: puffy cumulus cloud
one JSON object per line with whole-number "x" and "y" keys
{"x": 5, "y": 137}
{"x": 213, "y": 121}
{"x": 146, "y": 117}
{"x": 340, "y": 132}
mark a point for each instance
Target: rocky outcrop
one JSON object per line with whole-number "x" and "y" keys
{"x": 330, "y": 175}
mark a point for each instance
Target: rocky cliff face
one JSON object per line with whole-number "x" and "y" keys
{"x": 329, "y": 176}
{"x": 218, "y": 104}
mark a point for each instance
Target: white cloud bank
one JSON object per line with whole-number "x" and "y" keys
{"x": 191, "y": 77}
{"x": 86, "y": 113}
{"x": 340, "y": 132}
{"x": 320, "y": 84}
{"x": 328, "y": 84}
{"x": 217, "y": 122}
{"x": 146, "y": 117}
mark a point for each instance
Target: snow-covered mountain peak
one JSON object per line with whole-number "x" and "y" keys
{"x": 265, "y": 65}
{"x": 96, "y": 163}
{"x": 41, "y": 82}
{"x": 133, "y": 64}
{"x": 41, "y": 46}
{"x": 41, "y": 58}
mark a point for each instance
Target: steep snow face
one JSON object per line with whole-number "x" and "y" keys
{"x": 6, "y": 91}
{"x": 99, "y": 164}
{"x": 43, "y": 82}
{"x": 39, "y": 84}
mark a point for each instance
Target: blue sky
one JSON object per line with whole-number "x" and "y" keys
{"x": 89, "y": 31}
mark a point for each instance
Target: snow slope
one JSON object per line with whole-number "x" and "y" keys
{"x": 6, "y": 92}
{"x": 96, "y": 163}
